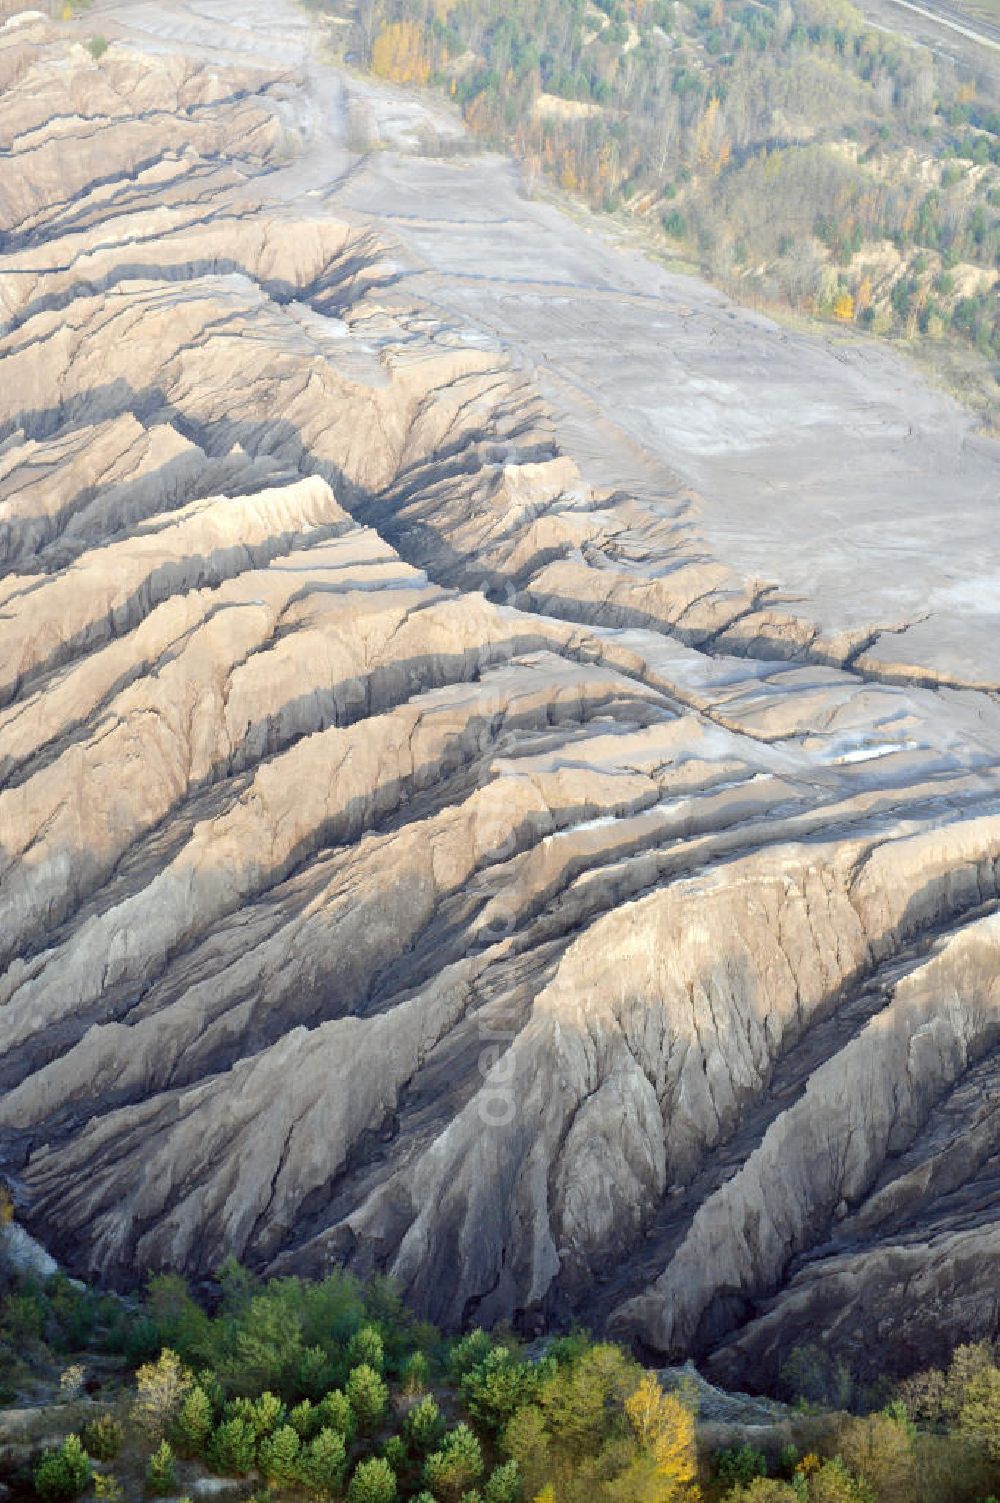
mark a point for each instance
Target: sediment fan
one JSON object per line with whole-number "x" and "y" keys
{"x": 413, "y": 856}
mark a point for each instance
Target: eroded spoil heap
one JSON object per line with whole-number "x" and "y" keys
{"x": 345, "y": 731}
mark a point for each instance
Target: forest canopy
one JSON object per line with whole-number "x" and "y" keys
{"x": 798, "y": 155}
{"x": 331, "y": 1391}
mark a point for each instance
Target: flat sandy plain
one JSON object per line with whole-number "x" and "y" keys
{"x": 823, "y": 466}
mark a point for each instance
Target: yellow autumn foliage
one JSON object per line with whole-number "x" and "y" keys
{"x": 398, "y": 54}
{"x": 712, "y": 147}
{"x": 664, "y": 1427}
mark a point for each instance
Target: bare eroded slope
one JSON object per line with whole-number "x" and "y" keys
{"x": 427, "y": 839}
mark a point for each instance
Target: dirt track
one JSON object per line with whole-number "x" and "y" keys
{"x": 971, "y": 42}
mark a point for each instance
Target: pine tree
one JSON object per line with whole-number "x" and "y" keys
{"x": 334, "y": 1412}
{"x": 366, "y": 1346}
{"x": 279, "y": 1457}
{"x": 63, "y": 1474}
{"x": 193, "y": 1425}
{"x": 368, "y": 1395}
{"x": 373, "y": 1482}
{"x": 424, "y": 1425}
{"x": 161, "y": 1476}
{"x": 503, "y": 1484}
{"x": 233, "y": 1448}
{"x": 451, "y": 1470}
{"x": 322, "y": 1465}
